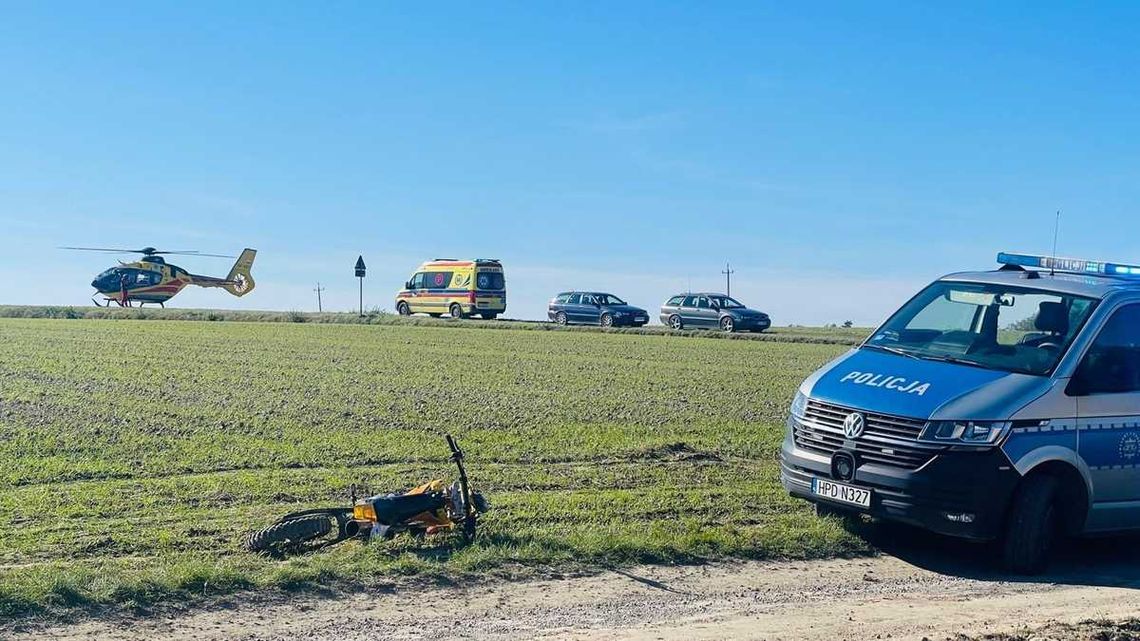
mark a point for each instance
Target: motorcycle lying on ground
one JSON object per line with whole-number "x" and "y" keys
{"x": 431, "y": 508}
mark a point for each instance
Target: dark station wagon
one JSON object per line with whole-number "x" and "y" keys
{"x": 704, "y": 310}
{"x": 594, "y": 308}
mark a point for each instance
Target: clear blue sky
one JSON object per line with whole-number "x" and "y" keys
{"x": 840, "y": 156}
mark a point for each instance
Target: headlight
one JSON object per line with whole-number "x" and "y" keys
{"x": 964, "y": 432}
{"x": 799, "y": 405}
{"x": 364, "y": 512}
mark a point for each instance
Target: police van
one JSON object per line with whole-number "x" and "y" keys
{"x": 993, "y": 405}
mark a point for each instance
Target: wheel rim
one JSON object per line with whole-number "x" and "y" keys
{"x": 726, "y": 324}
{"x": 675, "y": 322}
{"x": 607, "y": 320}
{"x": 402, "y": 309}
{"x": 456, "y": 311}
{"x": 560, "y": 318}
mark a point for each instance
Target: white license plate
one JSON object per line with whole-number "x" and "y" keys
{"x": 641, "y": 318}
{"x": 842, "y": 493}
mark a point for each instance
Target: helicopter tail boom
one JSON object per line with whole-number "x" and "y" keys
{"x": 239, "y": 282}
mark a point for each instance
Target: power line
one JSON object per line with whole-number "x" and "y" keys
{"x": 318, "y": 290}
{"x": 728, "y": 272}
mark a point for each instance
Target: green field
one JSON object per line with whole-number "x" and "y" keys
{"x": 134, "y": 454}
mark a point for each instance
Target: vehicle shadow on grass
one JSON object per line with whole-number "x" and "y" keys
{"x": 1103, "y": 561}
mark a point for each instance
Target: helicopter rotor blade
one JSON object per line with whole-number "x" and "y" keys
{"x": 148, "y": 251}
{"x": 105, "y": 249}
{"x": 194, "y": 253}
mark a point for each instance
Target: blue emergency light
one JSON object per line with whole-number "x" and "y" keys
{"x": 1071, "y": 265}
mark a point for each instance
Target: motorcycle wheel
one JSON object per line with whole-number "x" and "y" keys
{"x": 288, "y": 534}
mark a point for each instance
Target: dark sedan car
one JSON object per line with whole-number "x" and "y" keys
{"x": 594, "y": 308}
{"x": 704, "y": 310}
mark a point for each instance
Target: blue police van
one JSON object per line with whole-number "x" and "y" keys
{"x": 993, "y": 405}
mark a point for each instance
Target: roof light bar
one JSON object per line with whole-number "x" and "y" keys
{"x": 1073, "y": 265}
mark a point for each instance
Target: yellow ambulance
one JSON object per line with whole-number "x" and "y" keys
{"x": 460, "y": 288}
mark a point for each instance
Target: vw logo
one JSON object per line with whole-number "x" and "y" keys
{"x": 853, "y": 425}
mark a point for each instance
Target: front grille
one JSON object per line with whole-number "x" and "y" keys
{"x": 886, "y": 440}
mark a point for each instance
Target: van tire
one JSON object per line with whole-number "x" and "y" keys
{"x": 676, "y": 323}
{"x": 456, "y": 311}
{"x": 1032, "y": 527}
{"x": 402, "y": 309}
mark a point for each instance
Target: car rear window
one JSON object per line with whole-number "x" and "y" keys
{"x": 490, "y": 280}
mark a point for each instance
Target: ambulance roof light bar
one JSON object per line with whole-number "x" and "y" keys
{"x": 1070, "y": 265}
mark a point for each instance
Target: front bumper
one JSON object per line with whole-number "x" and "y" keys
{"x": 980, "y": 483}
{"x": 631, "y": 320}
{"x": 752, "y": 324}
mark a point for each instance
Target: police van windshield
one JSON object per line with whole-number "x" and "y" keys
{"x": 985, "y": 325}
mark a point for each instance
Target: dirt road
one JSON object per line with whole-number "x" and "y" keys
{"x": 934, "y": 591}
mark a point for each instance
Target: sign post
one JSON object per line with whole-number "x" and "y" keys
{"x": 360, "y": 274}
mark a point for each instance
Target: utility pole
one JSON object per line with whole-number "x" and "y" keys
{"x": 728, "y": 272}
{"x": 359, "y": 268}
{"x": 318, "y": 290}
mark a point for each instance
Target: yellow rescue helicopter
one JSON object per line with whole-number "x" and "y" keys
{"x": 153, "y": 280}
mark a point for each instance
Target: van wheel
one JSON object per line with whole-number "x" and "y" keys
{"x": 402, "y": 309}
{"x": 727, "y": 324}
{"x": 560, "y": 318}
{"x": 456, "y": 311}
{"x": 676, "y": 323}
{"x": 606, "y": 320}
{"x": 1032, "y": 526}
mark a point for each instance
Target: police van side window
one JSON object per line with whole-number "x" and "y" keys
{"x": 418, "y": 281}
{"x": 1112, "y": 363}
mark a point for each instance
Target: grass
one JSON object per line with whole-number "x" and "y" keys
{"x": 794, "y": 333}
{"x": 134, "y": 455}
